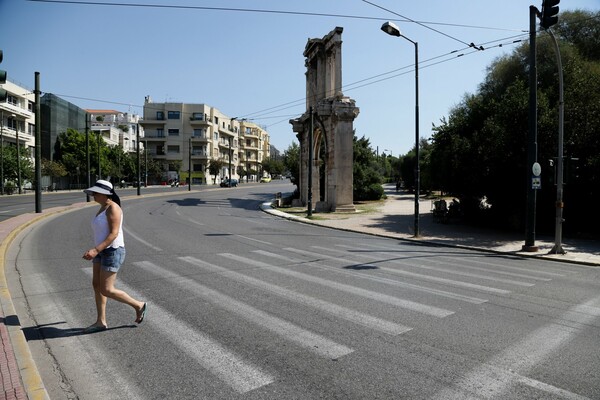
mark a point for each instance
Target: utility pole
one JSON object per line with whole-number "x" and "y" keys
{"x": 310, "y": 162}
{"x": 38, "y": 146}
{"x": 87, "y": 153}
{"x": 139, "y": 163}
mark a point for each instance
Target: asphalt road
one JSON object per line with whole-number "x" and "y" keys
{"x": 13, "y": 205}
{"x": 244, "y": 305}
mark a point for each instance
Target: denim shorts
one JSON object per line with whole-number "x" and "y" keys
{"x": 111, "y": 258}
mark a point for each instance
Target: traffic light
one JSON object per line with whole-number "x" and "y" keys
{"x": 549, "y": 13}
{"x": 2, "y": 80}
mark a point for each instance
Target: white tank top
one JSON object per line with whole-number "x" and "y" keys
{"x": 101, "y": 230}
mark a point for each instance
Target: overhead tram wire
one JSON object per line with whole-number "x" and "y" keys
{"x": 418, "y": 23}
{"x": 265, "y": 11}
{"x": 262, "y": 114}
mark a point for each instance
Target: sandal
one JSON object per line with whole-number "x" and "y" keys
{"x": 142, "y": 314}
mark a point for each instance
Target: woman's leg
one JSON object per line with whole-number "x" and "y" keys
{"x": 99, "y": 298}
{"x": 107, "y": 288}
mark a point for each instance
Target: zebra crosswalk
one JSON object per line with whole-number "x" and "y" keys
{"x": 289, "y": 270}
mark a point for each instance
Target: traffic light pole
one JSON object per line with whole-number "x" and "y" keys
{"x": 531, "y": 137}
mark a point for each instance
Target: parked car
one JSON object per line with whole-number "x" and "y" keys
{"x": 225, "y": 183}
{"x": 265, "y": 179}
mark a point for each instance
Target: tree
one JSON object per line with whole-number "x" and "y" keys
{"x": 480, "y": 150}
{"x": 53, "y": 169}
{"x": 273, "y": 167}
{"x": 366, "y": 175}
{"x": 214, "y": 168}
{"x": 11, "y": 167}
{"x": 291, "y": 161}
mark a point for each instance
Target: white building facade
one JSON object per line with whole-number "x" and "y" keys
{"x": 17, "y": 124}
{"x": 185, "y": 138}
{"x": 116, "y": 127}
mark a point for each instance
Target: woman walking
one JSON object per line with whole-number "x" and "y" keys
{"x": 108, "y": 255}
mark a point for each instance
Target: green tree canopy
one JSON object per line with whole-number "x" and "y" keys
{"x": 480, "y": 150}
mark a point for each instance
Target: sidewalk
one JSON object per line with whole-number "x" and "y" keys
{"x": 394, "y": 218}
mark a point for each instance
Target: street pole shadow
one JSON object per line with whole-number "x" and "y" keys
{"x": 47, "y": 331}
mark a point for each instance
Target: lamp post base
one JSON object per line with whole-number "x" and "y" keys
{"x": 529, "y": 249}
{"x": 557, "y": 249}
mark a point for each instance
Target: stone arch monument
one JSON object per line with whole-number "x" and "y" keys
{"x": 330, "y": 129}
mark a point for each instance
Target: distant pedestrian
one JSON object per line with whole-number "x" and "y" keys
{"x": 108, "y": 254}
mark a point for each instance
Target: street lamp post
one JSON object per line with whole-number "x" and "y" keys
{"x": 391, "y": 29}
{"x": 230, "y": 162}
{"x": 146, "y": 163}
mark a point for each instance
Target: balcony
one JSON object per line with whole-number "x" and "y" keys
{"x": 12, "y": 108}
{"x": 200, "y": 138}
{"x": 149, "y": 121}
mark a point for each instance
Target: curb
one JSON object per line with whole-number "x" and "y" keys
{"x": 268, "y": 208}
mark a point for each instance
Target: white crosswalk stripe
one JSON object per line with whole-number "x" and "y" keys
{"x": 411, "y": 263}
{"x": 498, "y": 269}
{"x": 451, "y": 282}
{"x": 357, "y": 317}
{"x": 309, "y": 340}
{"x": 240, "y": 375}
{"x": 393, "y": 282}
{"x": 395, "y": 301}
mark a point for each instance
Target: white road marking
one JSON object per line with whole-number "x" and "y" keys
{"x": 309, "y": 340}
{"x": 440, "y": 261}
{"x": 139, "y": 239}
{"x": 240, "y": 375}
{"x": 356, "y": 317}
{"x": 416, "y": 276}
{"x": 395, "y": 301}
{"x": 410, "y": 263}
{"x": 442, "y": 293}
{"x": 503, "y": 371}
{"x": 255, "y": 240}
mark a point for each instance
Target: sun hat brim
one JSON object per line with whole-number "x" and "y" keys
{"x": 96, "y": 189}
{"x": 99, "y": 188}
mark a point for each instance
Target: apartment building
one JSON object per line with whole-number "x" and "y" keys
{"x": 185, "y": 138}
{"x": 17, "y": 117}
{"x": 116, "y": 127}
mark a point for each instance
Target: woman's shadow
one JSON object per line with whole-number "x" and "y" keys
{"x": 47, "y": 331}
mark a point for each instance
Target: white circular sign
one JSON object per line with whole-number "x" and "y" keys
{"x": 536, "y": 169}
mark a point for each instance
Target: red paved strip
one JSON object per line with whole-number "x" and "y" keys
{"x": 12, "y": 388}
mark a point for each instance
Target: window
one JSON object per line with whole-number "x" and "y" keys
{"x": 173, "y": 132}
{"x": 216, "y": 136}
{"x": 31, "y": 106}
{"x": 173, "y": 149}
{"x": 199, "y": 133}
{"x": 160, "y": 115}
{"x": 198, "y": 117}
{"x": 173, "y": 114}
{"x": 10, "y": 99}
{"x": 199, "y": 150}
{"x": 160, "y": 132}
{"x": 217, "y": 121}
{"x": 199, "y": 167}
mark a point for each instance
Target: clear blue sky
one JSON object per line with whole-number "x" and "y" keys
{"x": 250, "y": 64}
